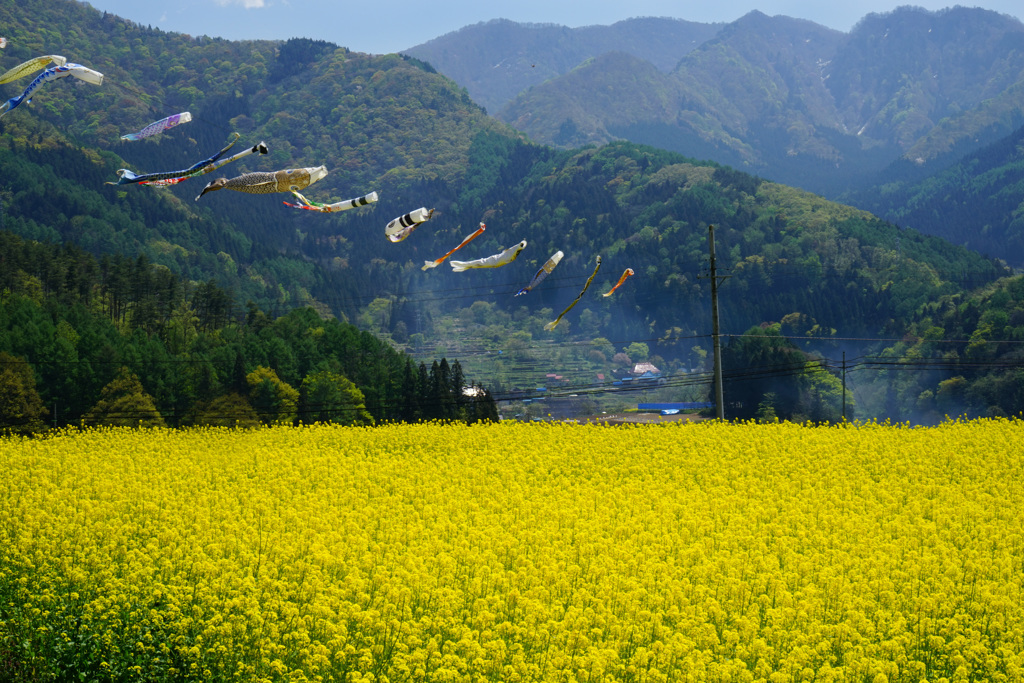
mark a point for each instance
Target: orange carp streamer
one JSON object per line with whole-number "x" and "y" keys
{"x": 625, "y": 274}
{"x": 436, "y": 262}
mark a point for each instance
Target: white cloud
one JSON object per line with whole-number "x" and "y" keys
{"x": 247, "y": 4}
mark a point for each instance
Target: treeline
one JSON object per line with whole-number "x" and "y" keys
{"x": 121, "y": 341}
{"x": 767, "y": 377}
{"x": 968, "y": 350}
{"x": 963, "y": 355}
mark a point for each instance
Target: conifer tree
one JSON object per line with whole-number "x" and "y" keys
{"x": 229, "y": 410}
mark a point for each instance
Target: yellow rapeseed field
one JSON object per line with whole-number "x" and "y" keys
{"x": 515, "y": 552}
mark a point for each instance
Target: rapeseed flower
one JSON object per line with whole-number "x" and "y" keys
{"x": 528, "y": 553}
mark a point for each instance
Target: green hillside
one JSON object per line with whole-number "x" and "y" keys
{"x": 966, "y": 349}
{"x": 612, "y": 89}
{"x": 379, "y": 120}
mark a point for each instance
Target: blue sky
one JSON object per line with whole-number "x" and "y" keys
{"x": 382, "y": 26}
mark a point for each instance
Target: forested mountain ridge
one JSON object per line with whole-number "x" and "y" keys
{"x": 58, "y": 152}
{"x": 498, "y": 59}
{"x": 757, "y": 71}
{"x": 806, "y": 105}
{"x": 930, "y": 82}
{"x": 977, "y": 202}
{"x": 574, "y": 110}
{"x": 390, "y": 124}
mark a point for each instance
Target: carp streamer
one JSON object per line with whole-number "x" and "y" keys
{"x": 551, "y": 325}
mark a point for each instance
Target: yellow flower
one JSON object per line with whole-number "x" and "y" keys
{"x": 529, "y": 552}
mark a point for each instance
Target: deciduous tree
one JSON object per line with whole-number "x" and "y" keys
{"x": 21, "y": 409}
{"x": 124, "y": 402}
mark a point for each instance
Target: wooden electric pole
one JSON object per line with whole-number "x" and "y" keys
{"x": 719, "y": 403}
{"x": 844, "y": 386}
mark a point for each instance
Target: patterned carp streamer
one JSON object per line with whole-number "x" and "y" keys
{"x": 199, "y": 168}
{"x": 30, "y": 67}
{"x": 330, "y": 208}
{"x": 554, "y": 323}
{"x": 427, "y": 265}
{"x": 77, "y": 70}
{"x": 3, "y": 42}
{"x": 268, "y": 182}
{"x": 496, "y": 261}
{"x": 159, "y": 126}
{"x": 126, "y": 176}
{"x": 260, "y": 148}
{"x": 401, "y": 227}
{"x": 626, "y": 273}
{"x": 544, "y": 271}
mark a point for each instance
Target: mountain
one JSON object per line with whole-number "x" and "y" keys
{"x": 392, "y": 124}
{"x": 755, "y": 79}
{"x": 977, "y": 202}
{"x": 498, "y": 59}
{"x": 805, "y": 105}
{"x": 927, "y": 83}
{"x": 576, "y": 111}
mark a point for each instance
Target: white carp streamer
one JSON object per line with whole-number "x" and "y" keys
{"x": 496, "y": 261}
{"x": 331, "y": 208}
{"x": 401, "y": 227}
{"x": 159, "y": 126}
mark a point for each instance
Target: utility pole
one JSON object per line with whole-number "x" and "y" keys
{"x": 719, "y": 403}
{"x": 844, "y": 386}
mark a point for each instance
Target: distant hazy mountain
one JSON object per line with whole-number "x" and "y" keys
{"x": 498, "y": 59}
{"x": 612, "y": 90}
{"x": 930, "y": 82}
{"x": 801, "y": 103}
{"x": 753, "y": 86}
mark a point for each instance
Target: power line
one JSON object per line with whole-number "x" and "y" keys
{"x": 877, "y": 339}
